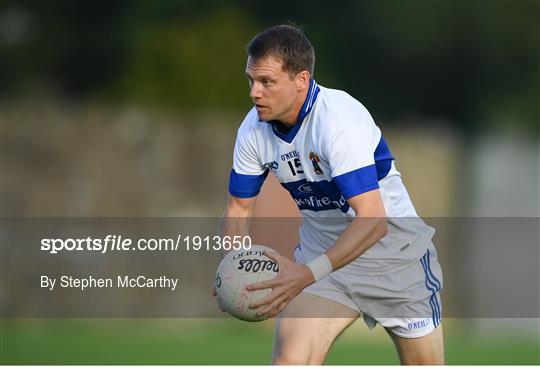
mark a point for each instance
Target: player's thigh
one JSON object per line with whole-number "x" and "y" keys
{"x": 306, "y": 329}
{"x": 428, "y": 349}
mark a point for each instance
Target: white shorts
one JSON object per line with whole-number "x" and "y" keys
{"x": 406, "y": 302}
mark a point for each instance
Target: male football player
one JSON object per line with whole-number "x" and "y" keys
{"x": 363, "y": 250}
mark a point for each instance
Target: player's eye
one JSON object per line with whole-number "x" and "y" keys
{"x": 266, "y": 82}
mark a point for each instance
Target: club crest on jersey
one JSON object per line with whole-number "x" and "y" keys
{"x": 315, "y": 160}
{"x": 270, "y": 165}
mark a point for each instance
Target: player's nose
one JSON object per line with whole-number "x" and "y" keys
{"x": 255, "y": 92}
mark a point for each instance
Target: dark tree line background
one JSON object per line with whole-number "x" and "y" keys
{"x": 474, "y": 64}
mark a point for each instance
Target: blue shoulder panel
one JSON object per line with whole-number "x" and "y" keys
{"x": 382, "y": 151}
{"x": 383, "y": 159}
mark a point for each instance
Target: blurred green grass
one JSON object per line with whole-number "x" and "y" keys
{"x": 219, "y": 341}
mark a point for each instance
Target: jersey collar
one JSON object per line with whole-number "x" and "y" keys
{"x": 311, "y": 97}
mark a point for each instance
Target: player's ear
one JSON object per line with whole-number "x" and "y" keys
{"x": 302, "y": 80}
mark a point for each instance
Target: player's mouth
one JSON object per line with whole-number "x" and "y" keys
{"x": 259, "y": 107}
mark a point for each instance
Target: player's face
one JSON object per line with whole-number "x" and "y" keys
{"x": 276, "y": 94}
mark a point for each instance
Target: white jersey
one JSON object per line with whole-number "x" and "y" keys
{"x": 334, "y": 152}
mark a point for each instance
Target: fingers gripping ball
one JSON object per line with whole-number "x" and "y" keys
{"x": 238, "y": 269}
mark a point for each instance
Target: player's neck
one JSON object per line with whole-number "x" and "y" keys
{"x": 292, "y": 118}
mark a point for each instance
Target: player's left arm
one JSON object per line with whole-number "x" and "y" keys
{"x": 364, "y": 231}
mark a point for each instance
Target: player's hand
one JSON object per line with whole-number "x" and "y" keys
{"x": 290, "y": 281}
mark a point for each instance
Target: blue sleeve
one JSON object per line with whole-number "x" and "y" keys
{"x": 358, "y": 181}
{"x": 246, "y": 186}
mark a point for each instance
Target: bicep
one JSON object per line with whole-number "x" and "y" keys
{"x": 368, "y": 204}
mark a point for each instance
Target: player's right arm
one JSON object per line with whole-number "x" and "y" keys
{"x": 245, "y": 181}
{"x": 235, "y": 220}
